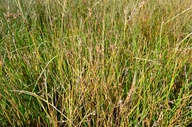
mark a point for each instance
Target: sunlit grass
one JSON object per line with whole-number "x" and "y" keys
{"x": 95, "y": 63}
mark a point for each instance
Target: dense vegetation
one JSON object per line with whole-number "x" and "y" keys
{"x": 96, "y": 63}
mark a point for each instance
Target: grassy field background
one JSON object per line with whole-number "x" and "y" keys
{"x": 96, "y": 63}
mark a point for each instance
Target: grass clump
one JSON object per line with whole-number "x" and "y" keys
{"x": 95, "y": 63}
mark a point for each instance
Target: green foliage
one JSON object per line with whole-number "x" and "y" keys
{"x": 95, "y": 63}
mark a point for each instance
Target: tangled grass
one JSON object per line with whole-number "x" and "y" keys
{"x": 94, "y": 63}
